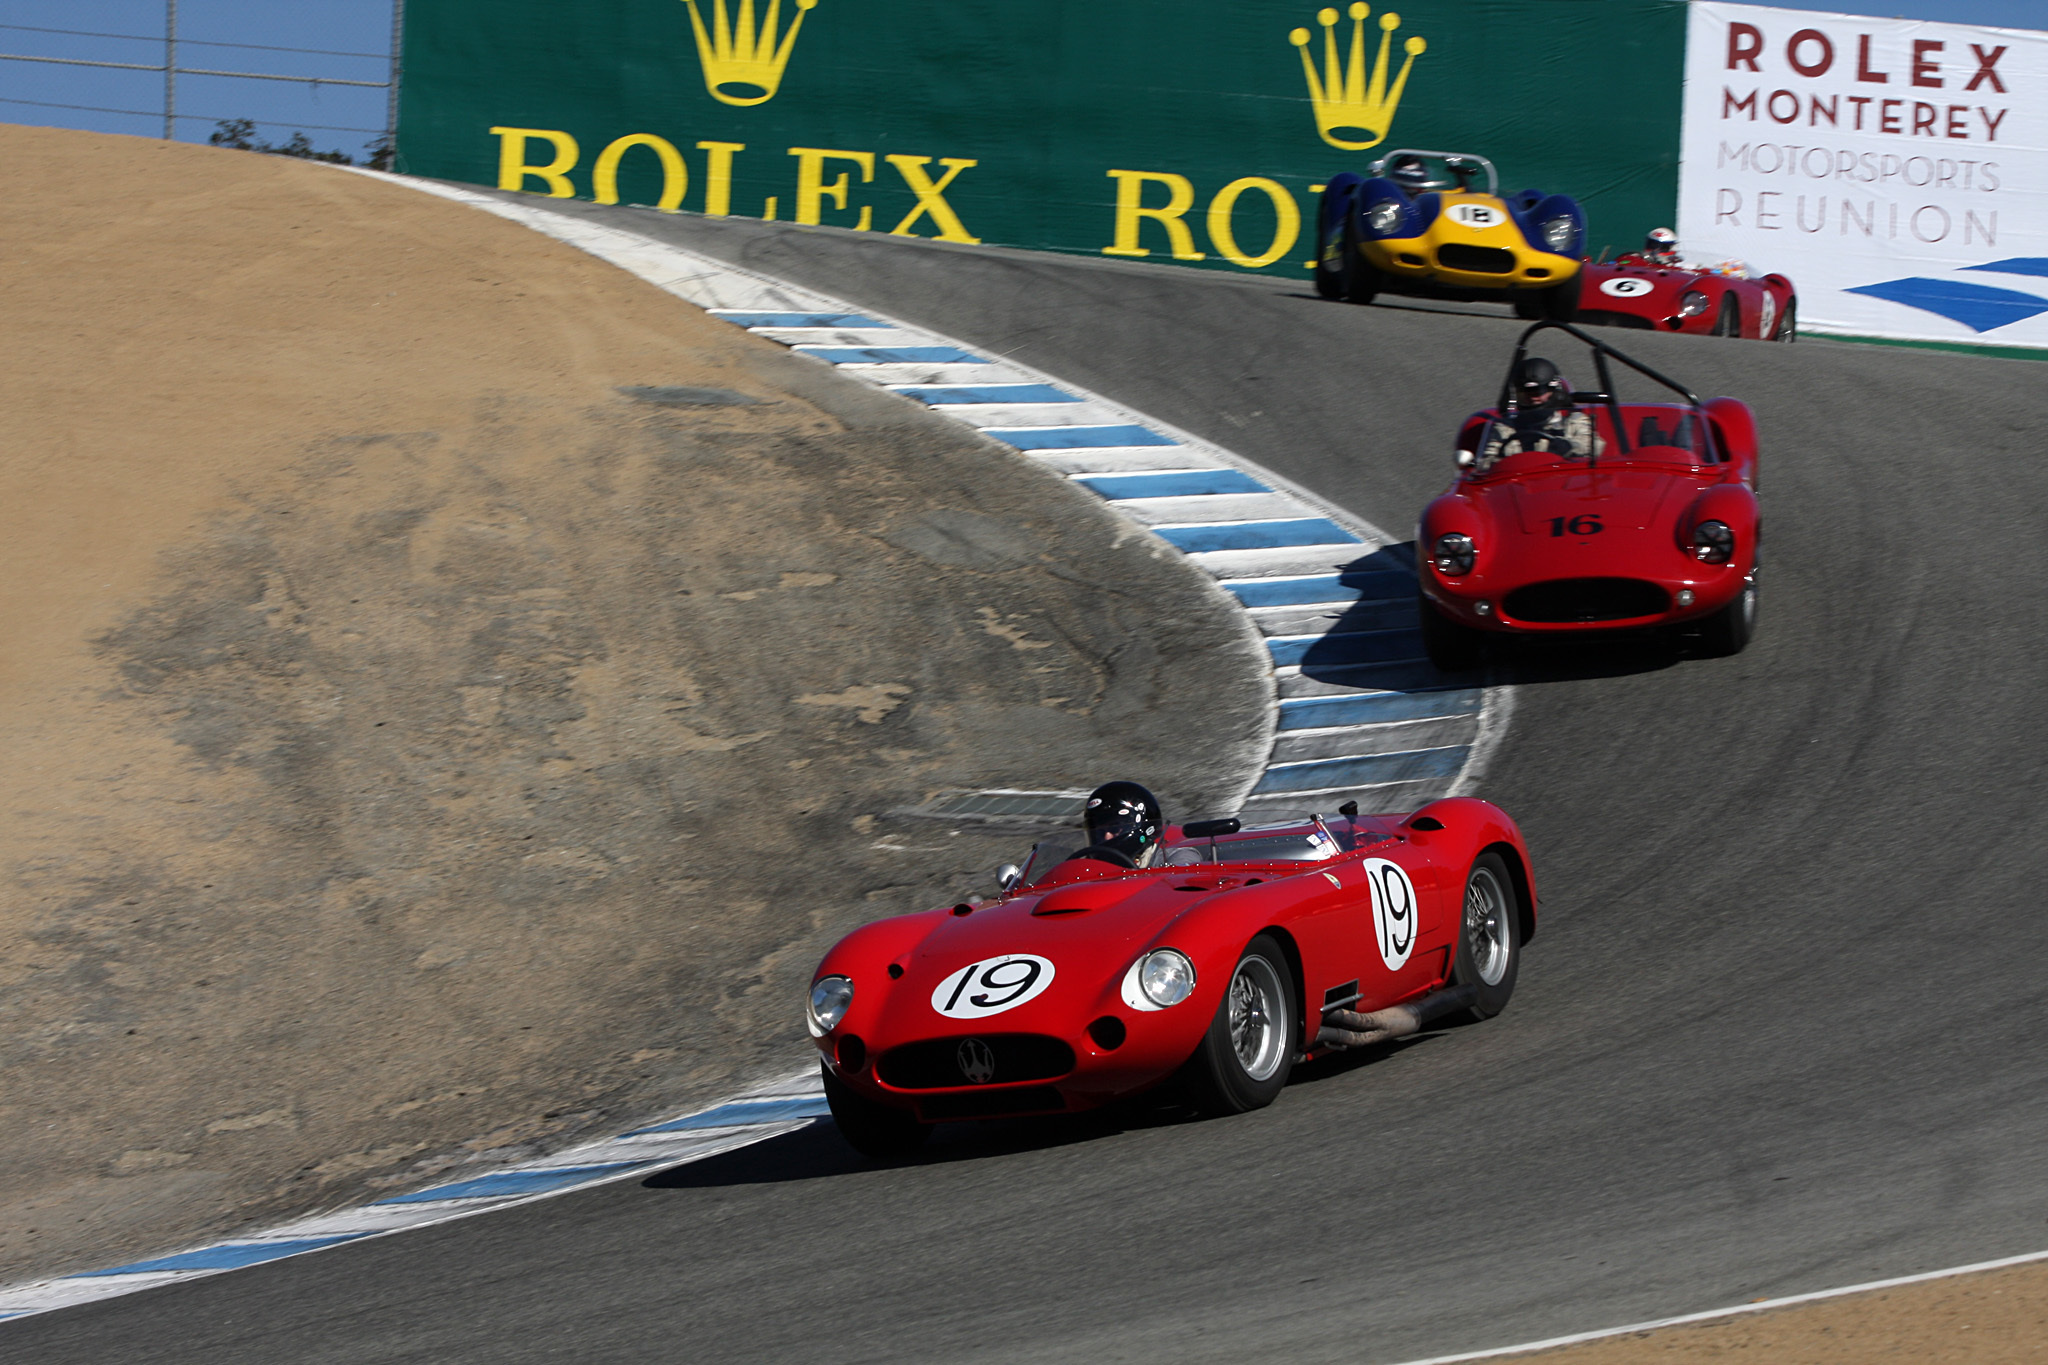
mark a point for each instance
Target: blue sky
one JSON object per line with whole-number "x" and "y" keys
{"x": 327, "y": 113}
{"x": 332, "y": 114}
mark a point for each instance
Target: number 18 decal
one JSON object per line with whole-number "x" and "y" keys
{"x": 992, "y": 985}
{"x": 1393, "y": 911}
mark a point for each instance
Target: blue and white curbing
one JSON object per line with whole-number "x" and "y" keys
{"x": 1360, "y": 713}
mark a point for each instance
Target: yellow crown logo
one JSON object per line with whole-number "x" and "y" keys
{"x": 743, "y": 64}
{"x": 1349, "y": 113}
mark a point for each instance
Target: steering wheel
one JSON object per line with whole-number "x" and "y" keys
{"x": 1541, "y": 442}
{"x": 1103, "y": 853}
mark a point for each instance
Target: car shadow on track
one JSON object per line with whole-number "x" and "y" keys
{"x": 817, "y": 1152}
{"x": 1376, "y": 642}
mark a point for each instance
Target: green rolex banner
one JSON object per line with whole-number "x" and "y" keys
{"x": 1195, "y": 132}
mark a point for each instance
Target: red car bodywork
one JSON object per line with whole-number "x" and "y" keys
{"x": 1636, "y": 293}
{"x": 1607, "y": 543}
{"x": 1085, "y": 1038}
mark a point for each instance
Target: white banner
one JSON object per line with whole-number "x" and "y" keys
{"x": 1896, "y": 170}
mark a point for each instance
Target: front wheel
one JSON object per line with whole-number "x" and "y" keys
{"x": 1452, "y": 646}
{"x": 1329, "y": 278}
{"x": 1246, "y": 1055}
{"x": 873, "y": 1129}
{"x": 1728, "y": 631}
{"x": 1489, "y": 936}
{"x": 1357, "y": 278}
{"x": 1528, "y": 305}
{"x": 1561, "y": 301}
{"x": 1729, "y": 321}
{"x": 1788, "y": 326}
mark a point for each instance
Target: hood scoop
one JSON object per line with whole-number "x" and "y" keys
{"x": 1080, "y": 900}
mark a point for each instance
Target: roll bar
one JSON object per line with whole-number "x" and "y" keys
{"x": 1601, "y": 350}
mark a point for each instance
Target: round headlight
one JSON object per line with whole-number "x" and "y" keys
{"x": 1692, "y": 303}
{"x": 1382, "y": 217}
{"x": 1453, "y": 554}
{"x": 1713, "y": 542}
{"x": 1166, "y": 977}
{"x": 1558, "y": 233}
{"x": 830, "y": 995}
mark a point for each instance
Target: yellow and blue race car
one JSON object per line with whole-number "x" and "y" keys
{"x": 1418, "y": 225}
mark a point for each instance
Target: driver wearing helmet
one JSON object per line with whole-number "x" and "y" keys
{"x": 1123, "y": 824}
{"x": 1410, "y": 173}
{"x": 1540, "y": 416}
{"x": 1660, "y": 248}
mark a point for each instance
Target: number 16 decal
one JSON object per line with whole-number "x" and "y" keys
{"x": 1393, "y": 911}
{"x": 992, "y": 985}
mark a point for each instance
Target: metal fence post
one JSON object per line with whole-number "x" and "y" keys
{"x": 397, "y": 68}
{"x": 170, "y": 70}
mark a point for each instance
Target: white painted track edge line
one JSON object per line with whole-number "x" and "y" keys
{"x": 1739, "y": 1310}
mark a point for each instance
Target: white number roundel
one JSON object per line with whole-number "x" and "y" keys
{"x": 992, "y": 985}
{"x": 1766, "y": 315}
{"x": 1476, "y": 215}
{"x": 1626, "y": 287}
{"x": 1393, "y": 911}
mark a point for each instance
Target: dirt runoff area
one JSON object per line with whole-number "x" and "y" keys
{"x": 1997, "y": 1317}
{"x": 433, "y": 737}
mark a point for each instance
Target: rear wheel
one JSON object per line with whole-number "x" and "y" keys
{"x": 1245, "y": 1057}
{"x": 1729, "y": 322}
{"x": 1357, "y": 278}
{"x": 1561, "y": 301}
{"x": 1489, "y": 936}
{"x": 1451, "y": 645}
{"x": 1788, "y": 326}
{"x": 873, "y": 1129}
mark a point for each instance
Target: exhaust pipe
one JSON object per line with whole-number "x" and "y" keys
{"x": 1342, "y": 1028}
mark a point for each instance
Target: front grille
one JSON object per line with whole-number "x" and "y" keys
{"x": 1587, "y": 599}
{"x": 935, "y": 1065}
{"x": 989, "y": 1104}
{"x": 1601, "y": 317}
{"x": 1480, "y": 260}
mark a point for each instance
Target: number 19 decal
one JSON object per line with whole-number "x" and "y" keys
{"x": 992, "y": 985}
{"x": 1393, "y": 911}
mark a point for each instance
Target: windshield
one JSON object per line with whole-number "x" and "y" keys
{"x": 1294, "y": 840}
{"x": 1659, "y": 433}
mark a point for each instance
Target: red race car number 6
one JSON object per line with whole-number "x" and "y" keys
{"x": 1393, "y": 911}
{"x": 992, "y": 985}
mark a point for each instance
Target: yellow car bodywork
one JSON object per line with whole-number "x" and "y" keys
{"x": 1469, "y": 229}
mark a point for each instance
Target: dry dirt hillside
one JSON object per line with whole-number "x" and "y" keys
{"x": 420, "y": 749}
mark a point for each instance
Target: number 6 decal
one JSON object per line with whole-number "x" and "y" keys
{"x": 992, "y": 985}
{"x": 1393, "y": 911}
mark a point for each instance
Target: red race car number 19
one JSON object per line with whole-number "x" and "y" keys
{"x": 1393, "y": 911}
{"x": 992, "y": 985}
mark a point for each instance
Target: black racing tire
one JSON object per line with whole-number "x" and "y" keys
{"x": 1329, "y": 252}
{"x": 1358, "y": 280}
{"x": 1788, "y": 325}
{"x": 1245, "y": 1057}
{"x": 1452, "y": 646}
{"x": 1728, "y": 323}
{"x": 1528, "y": 304}
{"x": 1489, "y": 936}
{"x": 1561, "y": 301}
{"x": 1728, "y": 631}
{"x": 874, "y": 1130}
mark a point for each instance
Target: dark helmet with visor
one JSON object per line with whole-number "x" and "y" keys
{"x": 1538, "y": 385}
{"x": 1408, "y": 171}
{"x": 1123, "y": 816}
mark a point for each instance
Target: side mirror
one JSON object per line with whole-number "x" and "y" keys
{"x": 1008, "y": 875}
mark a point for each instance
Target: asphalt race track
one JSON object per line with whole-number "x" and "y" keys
{"x": 1779, "y": 1032}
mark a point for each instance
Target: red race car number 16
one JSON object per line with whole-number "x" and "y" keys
{"x": 1393, "y": 911}
{"x": 992, "y": 985}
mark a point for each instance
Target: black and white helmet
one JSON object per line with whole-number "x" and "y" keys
{"x": 1123, "y": 816}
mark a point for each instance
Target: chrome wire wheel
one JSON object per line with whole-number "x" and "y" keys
{"x": 1486, "y": 926}
{"x": 1258, "y": 1022}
